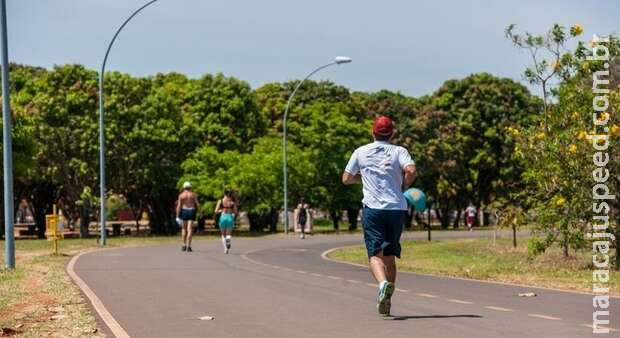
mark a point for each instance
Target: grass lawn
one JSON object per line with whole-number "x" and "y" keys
{"x": 478, "y": 259}
{"x": 38, "y": 299}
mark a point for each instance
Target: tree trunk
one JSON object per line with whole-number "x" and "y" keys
{"x": 273, "y": 220}
{"x": 254, "y": 219}
{"x": 84, "y": 221}
{"x": 43, "y": 196}
{"x": 444, "y": 218}
{"x": 429, "y": 225}
{"x": 161, "y": 218}
{"x": 514, "y": 236}
{"x": 352, "y": 214}
{"x": 335, "y": 216}
{"x": 457, "y": 220}
{"x": 565, "y": 245}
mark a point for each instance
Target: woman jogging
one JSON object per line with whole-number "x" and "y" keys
{"x": 302, "y": 217}
{"x": 228, "y": 209}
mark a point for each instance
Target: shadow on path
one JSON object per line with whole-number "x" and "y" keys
{"x": 432, "y": 317}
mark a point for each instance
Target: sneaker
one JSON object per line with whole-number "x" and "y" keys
{"x": 227, "y": 250}
{"x": 302, "y": 236}
{"x": 384, "y": 303}
{"x": 189, "y": 249}
{"x": 183, "y": 248}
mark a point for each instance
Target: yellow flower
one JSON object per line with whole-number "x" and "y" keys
{"x": 576, "y": 30}
{"x": 572, "y": 148}
{"x": 540, "y": 136}
{"x": 603, "y": 116}
{"x": 585, "y": 66}
{"x": 582, "y": 135}
{"x": 560, "y": 201}
{"x": 614, "y": 130}
{"x": 575, "y": 115}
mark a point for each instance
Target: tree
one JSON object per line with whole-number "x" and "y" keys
{"x": 330, "y": 134}
{"x": 256, "y": 176}
{"x": 558, "y": 156}
{"x": 467, "y": 154}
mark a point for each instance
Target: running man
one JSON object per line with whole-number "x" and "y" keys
{"x": 302, "y": 215}
{"x": 187, "y": 206}
{"x": 385, "y": 171}
{"x": 228, "y": 209}
{"x": 471, "y": 216}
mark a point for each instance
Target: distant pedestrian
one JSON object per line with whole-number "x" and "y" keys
{"x": 186, "y": 209}
{"x": 227, "y": 209}
{"x": 470, "y": 213}
{"x": 385, "y": 171}
{"x": 302, "y": 217}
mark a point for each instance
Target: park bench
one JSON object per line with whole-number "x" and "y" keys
{"x": 24, "y": 230}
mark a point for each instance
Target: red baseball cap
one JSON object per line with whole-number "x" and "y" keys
{"x": 383, "y": 126}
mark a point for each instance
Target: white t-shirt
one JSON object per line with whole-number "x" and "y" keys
{"x": 381, "y": 165}
{"x": 471, "y": 211}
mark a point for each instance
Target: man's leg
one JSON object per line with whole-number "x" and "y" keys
{"x": 390, "y": 268}
{"x": 378, "y": 267}
{"x": 184, "y": 233}
{"x": 190, "y": 232}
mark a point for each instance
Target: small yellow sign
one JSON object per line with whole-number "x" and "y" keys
{"x": 52, "y": 231}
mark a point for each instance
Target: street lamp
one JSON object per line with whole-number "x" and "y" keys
{"x": 7, "y": 146}
{"x": 102, "y": 212}
{"x": 337, "y": 61}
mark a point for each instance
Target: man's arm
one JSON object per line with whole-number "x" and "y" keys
{"x": 196, "y": 201}
{"x": 178, "y": 206}
{"x": 409, "y": 176}
{"x": 348, "y": 178}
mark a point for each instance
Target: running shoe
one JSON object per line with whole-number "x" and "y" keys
{"x": 183, "y": 248}
{"x": 384, "y": 302}
{"x": 189, "y": 249}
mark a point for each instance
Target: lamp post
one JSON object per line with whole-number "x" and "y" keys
{"x": 8, "y": 146}
{"x": 102, "y": 212}
{"x": 337, "y": 61}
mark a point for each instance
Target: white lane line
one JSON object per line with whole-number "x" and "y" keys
{"x": 426, "y": 295}
{"x": 535, "y": 315}
{"x": 116, "y": 329}
{"x": 497, "y": 308}
{"x": 316, "y": 274}
{"x": 401, "y": 290}
{"x": 353, "y": 281}
{"x": 458, "y": 301}
{"x": 334, "y": 277}
{"x": 325, "y": 256}
{"x": 611, "y": 329}
{"x": 301, "y": 271}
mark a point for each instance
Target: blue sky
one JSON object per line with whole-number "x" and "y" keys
{"x": 409, "y": 46}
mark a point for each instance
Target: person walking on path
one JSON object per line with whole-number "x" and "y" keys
{"x": 302, "y": 217}
{"x": 187, "y": 207}
{"x": 471, "y": 216}
{"x": 227, "y": 208}
{"x": 385, "y": 171}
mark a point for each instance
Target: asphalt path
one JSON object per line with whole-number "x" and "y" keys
{"x": 283, "y": 287}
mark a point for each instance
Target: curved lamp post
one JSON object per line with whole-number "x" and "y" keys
{"x": 338, "y": 60}
{"x": 8, "y": 146}
{"x": 103, "y": 202}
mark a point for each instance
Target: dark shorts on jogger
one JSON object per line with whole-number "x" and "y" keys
{"x": 382, "y": 231}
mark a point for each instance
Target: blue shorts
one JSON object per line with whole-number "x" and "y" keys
{"x": 188, "y": 214}
{"x": 227, "y": 221}
{"x": 382, "y": 230}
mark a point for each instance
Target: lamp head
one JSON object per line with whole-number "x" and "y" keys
{"x": 342, "y": 59}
